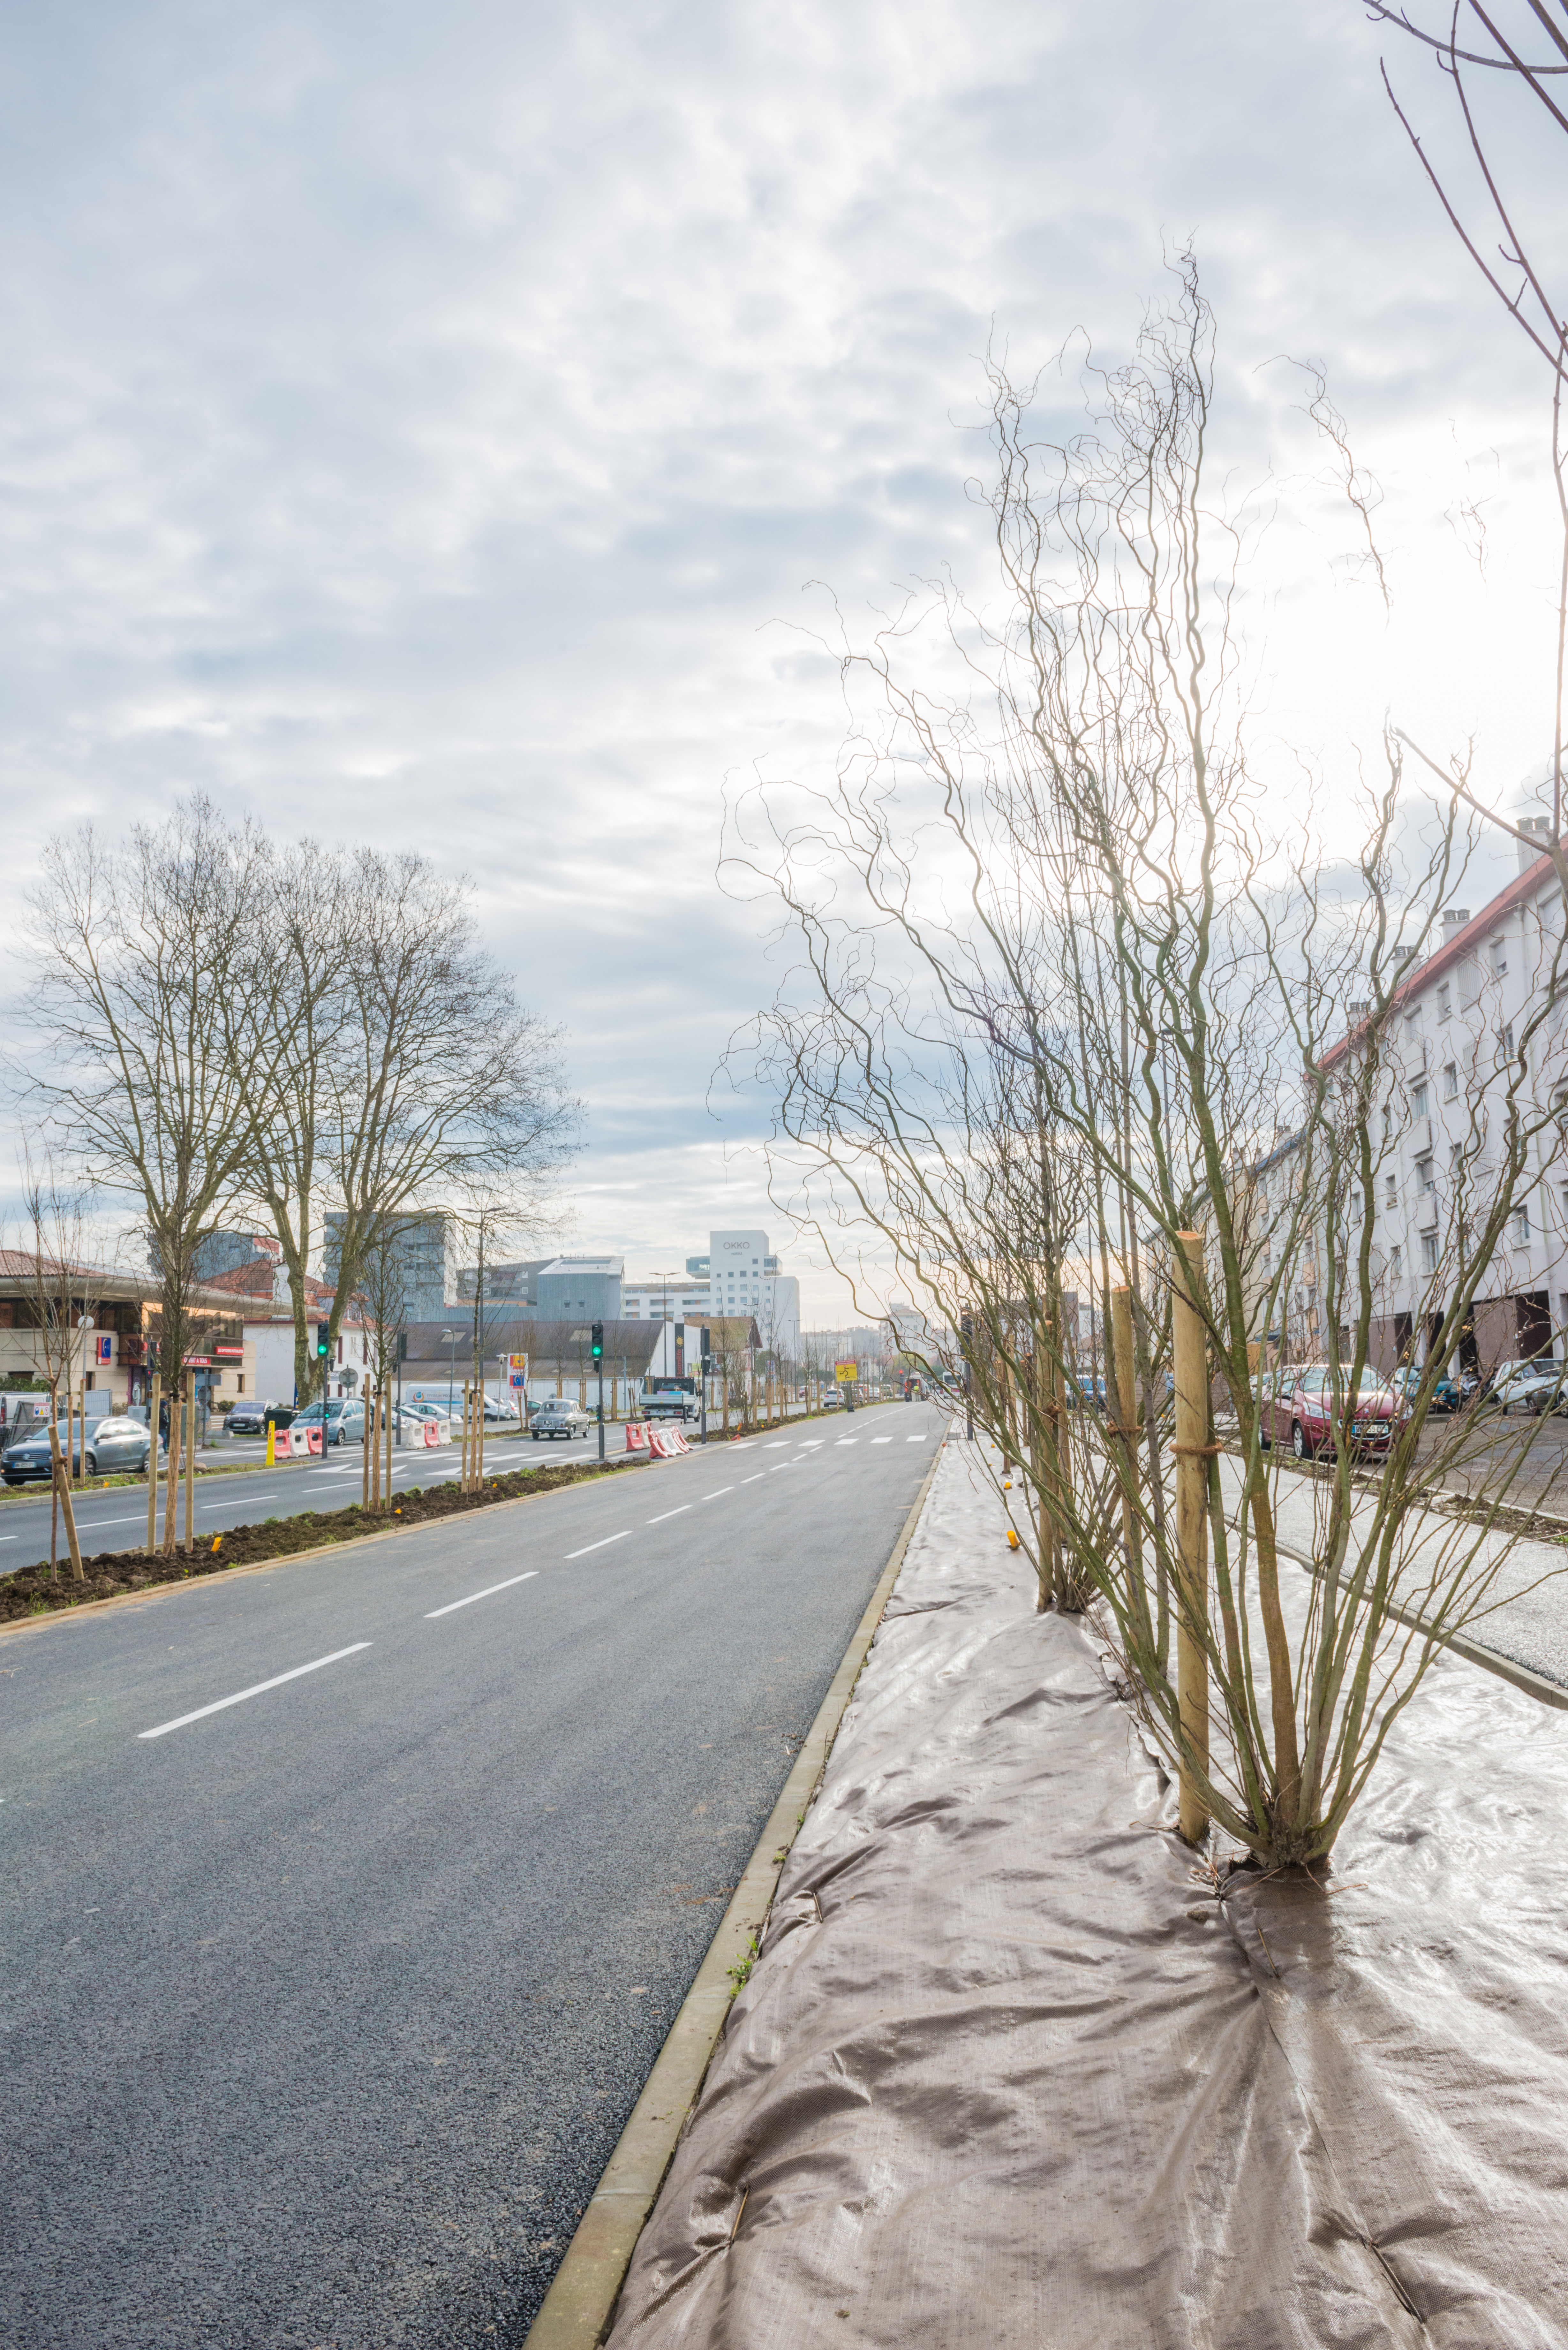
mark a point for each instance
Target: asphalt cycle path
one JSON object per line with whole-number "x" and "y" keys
{"x": 351, "y": 1900}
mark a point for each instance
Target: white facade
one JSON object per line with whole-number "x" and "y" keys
{"x": 743, "y": 1277}
{"x": 1460, "y": 1024}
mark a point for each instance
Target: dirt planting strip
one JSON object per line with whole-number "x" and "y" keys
{"x": 40, "y": 1591}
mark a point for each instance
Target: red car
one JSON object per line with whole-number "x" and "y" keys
{"x": 1298, "y": 1400}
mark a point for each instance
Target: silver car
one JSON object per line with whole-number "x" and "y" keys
{"x": 558, "y": 1417}
{"x": 114, "y": 1447}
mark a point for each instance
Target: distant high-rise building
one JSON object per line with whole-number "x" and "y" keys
{"x": 424, "y": 1242}
{"x": 586, "y": 1286}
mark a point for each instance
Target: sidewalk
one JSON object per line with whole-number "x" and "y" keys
{"x": 1007, "y": 2073}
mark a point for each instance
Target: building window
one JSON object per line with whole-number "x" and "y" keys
{"x": 1500, "y": 957}
{"x": 1397, "y": 1263}
{"x": 1428, "y": 1252}
{"x": 1390, "y": 1192}
{"x": 1451, "y": 1081}
{"x": 1419, "y": 1101}
{"x": 1506, "y": 1037}
{"x": 1521, "y": 1227}
{"x": 1424, "y": 1182}
{"x": 1445, "y": 1000}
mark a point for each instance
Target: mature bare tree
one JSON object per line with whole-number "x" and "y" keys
{"x": 387, "y": 1065}
{"x": 136, "y": 948}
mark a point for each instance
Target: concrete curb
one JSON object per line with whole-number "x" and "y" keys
{"x": 1534, "y": 1685}
{"x": 86, "y": 1607}
{"x": 576, "y": 2311}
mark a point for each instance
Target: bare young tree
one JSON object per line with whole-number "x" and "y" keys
{"x": 1060, "y": 985}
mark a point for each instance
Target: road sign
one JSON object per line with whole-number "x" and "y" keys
{"x": 843, "y": 1372}
{"x": 518, "y": 1378}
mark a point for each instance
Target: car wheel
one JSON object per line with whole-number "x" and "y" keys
{"x": 1265, "y": 1436}
{"x": 92, "y": 1464}
{"x": 1299, "y": 1444}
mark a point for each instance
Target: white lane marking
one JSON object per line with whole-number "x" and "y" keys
{"x": 487, "y": 1593}
{"x": 599, "y": 1545}
{"x": 851, "y": 1440}
{"x": 778, "y": 1465}
{"x": 756, "y": 1480}
{"x": 13, "y": 1537}
{"x": 750, "y": 1446}
{"x": 240, "y": 1696}
{"x": 909, "y": 1440}
{"x": 881, "y": 1440}
{"x": 775, "y": 1444}
{"x": 707, "y": 1497}
{"x": 810, "y": 1443}
{"x": 659, "y": 1521}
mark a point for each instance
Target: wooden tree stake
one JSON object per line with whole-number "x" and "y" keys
{"x": 1191, "y": 1369}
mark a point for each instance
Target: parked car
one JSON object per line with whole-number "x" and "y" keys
{"x": 250, "y": 1418}
{"x": 114, "y": 1447}
{"x": 1301, "y": 1412}
{"x": 833, "y": 1401}
{"x": 559, "y": 1416}
{"x": 1530, "y": 1387}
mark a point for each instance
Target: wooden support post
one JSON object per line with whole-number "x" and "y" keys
{"x": 479, "y": 1433}
{"x": 1190, "y": 1365}
{"x": 1122, "y": 1399}
{"x": 171, "y": 1473}
{"x": 191, "y": 1459}
{"x": 1048, "y": 1541}
{"x": 1068, "y": 1584}
{"x": 388, "y": 1420}
{"x": 152, "y": 1464}
{"x": 63, "y": 1487}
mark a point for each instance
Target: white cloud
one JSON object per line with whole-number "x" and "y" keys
{"x": 414, "y": 418}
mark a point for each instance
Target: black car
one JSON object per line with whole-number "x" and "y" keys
{"x": 250, "y": 1418}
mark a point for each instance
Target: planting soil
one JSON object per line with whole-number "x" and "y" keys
{"x": 37, "y": 1590}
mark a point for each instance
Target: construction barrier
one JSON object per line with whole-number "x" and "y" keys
{"x": 432, "y": 1433}
{"x": 636, "y": 1436}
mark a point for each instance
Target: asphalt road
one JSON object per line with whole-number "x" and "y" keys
{"x": 116, "y": 1519}
{"x": 323, "y": 2009}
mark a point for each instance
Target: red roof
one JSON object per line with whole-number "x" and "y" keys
{"x": 257, "y": 1280}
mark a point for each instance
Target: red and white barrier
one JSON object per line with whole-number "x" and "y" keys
{"x": 432, "y": 1433}
{"x": 636, "y": 1436}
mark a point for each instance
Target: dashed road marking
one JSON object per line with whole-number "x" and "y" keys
{"x": 256, "y": 1688}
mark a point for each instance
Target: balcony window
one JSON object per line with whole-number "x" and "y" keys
{"x": 1445, "y": 1000}
{"x": 1424, "y": 1181}
{"x": 1419, "y": 1101}
{"x": 1521, "y": 1227}
{"x": 1451, "y": 1081}
{"x": 1428, "y": 1252}
{"x": 1397, "y": 1263}
{"x": 1500, "y": 958}
{"x": 1390, "y": 1192}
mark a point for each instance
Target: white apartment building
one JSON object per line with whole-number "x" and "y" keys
{"x": 739, "y": 1276}
{"x": 1448, "y": 1051}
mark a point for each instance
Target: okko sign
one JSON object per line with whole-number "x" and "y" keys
{"x": 517, "y": 1371}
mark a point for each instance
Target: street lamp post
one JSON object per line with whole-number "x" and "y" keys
{"x": 449, "y": 1339}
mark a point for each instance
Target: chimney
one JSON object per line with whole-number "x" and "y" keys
{"x": 1454, "y": 919}
{"x": 1361, "y": 1010}
{"x": 1539, "y": 827}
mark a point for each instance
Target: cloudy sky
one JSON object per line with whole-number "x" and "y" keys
{"x": 421, "y": 424}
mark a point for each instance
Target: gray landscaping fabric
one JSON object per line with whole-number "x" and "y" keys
{"x": 1007, "y": 2073}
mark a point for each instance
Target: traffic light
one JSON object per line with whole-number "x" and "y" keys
{"x": 321, "y": 1342}
{"x": 597, "y": 1343}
